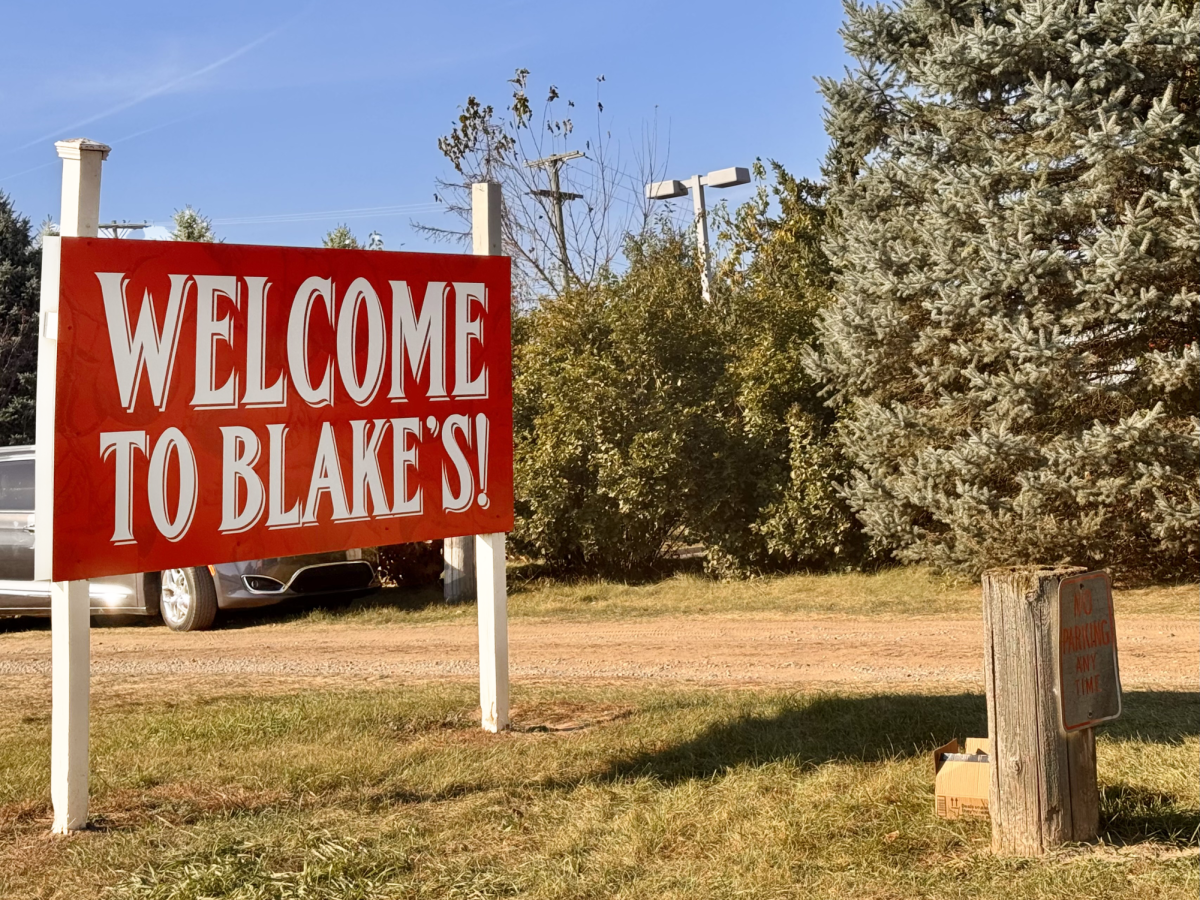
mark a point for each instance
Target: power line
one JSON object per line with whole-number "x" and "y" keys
{"x": 356, "y": 213}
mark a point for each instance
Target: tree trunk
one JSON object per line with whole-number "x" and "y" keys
{"x": 1043, "y": 791}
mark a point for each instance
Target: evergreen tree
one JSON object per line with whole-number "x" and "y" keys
{"x": 20, "y": 270}
{"x": 190, "y": 225}
{"x": 47, "y": 228}
{"x": 1014, "y": 339}
{"x": 341, "y": 238}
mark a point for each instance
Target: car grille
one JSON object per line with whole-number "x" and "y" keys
{"x": 324, "y": 579}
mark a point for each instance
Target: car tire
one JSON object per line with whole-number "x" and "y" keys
{"x": 188, "y": 601}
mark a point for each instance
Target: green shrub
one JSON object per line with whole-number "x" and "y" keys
{"x": 647, "y": 418}
{"x": 620, "y": 435}
{"x": 774, "y": 283}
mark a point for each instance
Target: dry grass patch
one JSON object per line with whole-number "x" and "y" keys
{"x": 658, "y": 793}
{"x": 905, "y": 591}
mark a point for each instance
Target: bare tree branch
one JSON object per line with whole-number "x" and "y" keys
{"x": 489, "y": 146}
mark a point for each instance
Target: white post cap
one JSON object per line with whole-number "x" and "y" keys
{"x": 76, "y": 147}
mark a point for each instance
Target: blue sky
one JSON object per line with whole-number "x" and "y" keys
{"x": 263, "y": 114}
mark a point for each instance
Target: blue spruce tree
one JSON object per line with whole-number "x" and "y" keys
{"x": 1013, "y": 342}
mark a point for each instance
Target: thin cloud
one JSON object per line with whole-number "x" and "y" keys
{"x": 152, "y": 128}
{"x": 168, "y": 86}
{"x": 362, "y": 212}
{"x": 46, "y": 165}
{"x": 120, "y": 140}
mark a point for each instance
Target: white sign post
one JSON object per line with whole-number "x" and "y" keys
{"x": 493, "y": 630}
{"x": 490, "y": 579}
{"x": 70, "y": 602}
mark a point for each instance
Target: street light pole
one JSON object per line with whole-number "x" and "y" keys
{"x": 721, "y": 178}
{"x": 696, "y": 186}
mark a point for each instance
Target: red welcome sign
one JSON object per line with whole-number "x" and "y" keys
{"x": 218, "y": 402}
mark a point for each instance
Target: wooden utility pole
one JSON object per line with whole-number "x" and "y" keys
{"x": 552, "y": 164}
{"x": 119, "y": 229}
{"x": 1043, "y": 791}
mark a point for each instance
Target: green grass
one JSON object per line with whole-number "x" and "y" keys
{"x": 601, "y": 792}
{"x": 894, "y": 592}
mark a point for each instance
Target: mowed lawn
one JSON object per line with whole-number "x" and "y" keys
{"x": 392, "y": 790}
{"x": 601, "y": 792}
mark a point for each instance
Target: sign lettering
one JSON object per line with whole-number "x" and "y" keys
{"x": 1089, "y": 681}
{"x": 219, "y": 402}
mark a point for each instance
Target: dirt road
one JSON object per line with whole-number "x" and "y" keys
{"x": 774, "y": 650}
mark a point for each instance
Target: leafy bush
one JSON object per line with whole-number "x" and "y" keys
{"x": 621, "y": 443}
{"x": 775, "y": 281}
{"x": 417, "y": 564}
{"x": 647, "y": 418}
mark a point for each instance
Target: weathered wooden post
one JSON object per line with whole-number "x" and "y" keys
{"x": 1043, "y": 791}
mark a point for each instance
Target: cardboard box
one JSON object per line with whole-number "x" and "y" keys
{"x": 962, "y": 780}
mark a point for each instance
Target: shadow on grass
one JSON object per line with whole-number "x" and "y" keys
{"x": 875, "y": 728}
{"x": 17, "y": 624}
{"x": 816, "y": 730}
{"x": 872, "y": 728}
{"x": 1159, "y": 717}
{"x": 1131, "y": 815}
{"x": 529, "y": 574}
{"x": 390, "y": 598}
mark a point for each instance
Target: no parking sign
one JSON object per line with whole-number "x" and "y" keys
{"x": 1089, "y": 680}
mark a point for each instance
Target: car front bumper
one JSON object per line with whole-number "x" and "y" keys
{"x": 268, "y": 581}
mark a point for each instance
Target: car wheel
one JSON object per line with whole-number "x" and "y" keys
{"x": 189, "y": 599}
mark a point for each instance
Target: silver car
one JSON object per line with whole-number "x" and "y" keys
{"x": 187, "y": 599}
